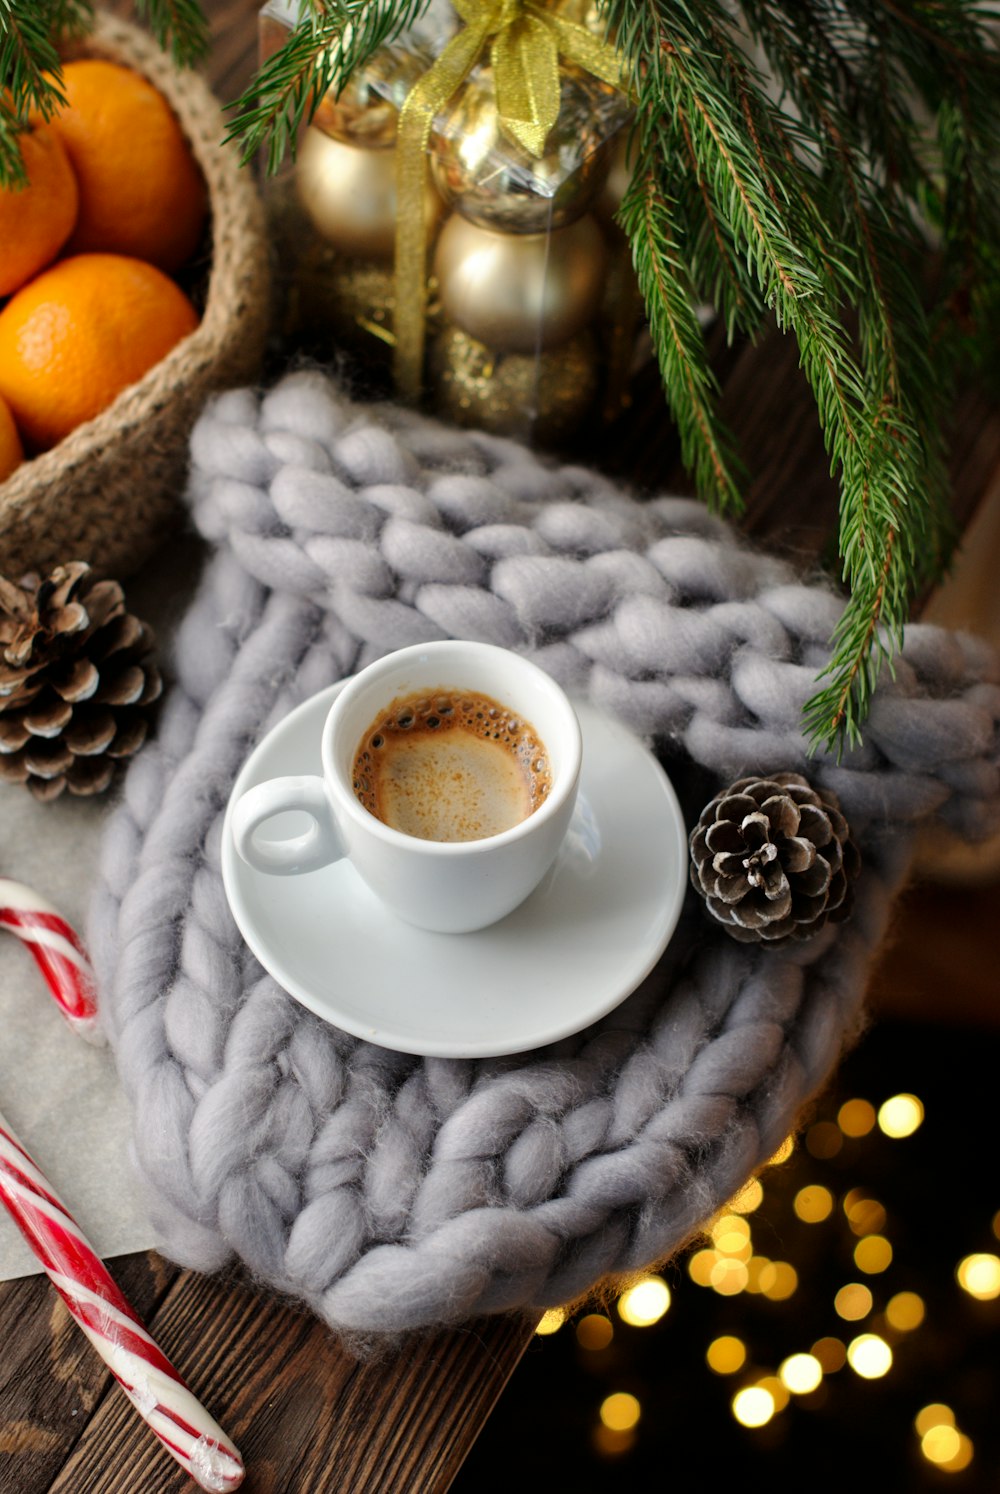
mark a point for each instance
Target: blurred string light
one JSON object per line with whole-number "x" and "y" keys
{"x": 813, "y": 1204}
{"x": 824, "y": 1140}
{"x": 800, "y": 1373}
{"x": 853, "y": 1302}
{"x": 594, "y": 1332}
{"x": 645, "y": 1303}
{"x": 905, "y": 1311}
{"x": 940, "y": 1440}
{"x": 551, "y": 1321}
{"x": 749, "y": 1198}
{"x": 728, "y": 1264}
{"x": 783, "y": 1153}
{"x": 726, "y": 1355}
{"x": 979, "y": 1275}
{"x": 831, "y": 1353}
{"x": 776, "y": 1389}
{"x": 620, "y": 1411}
{"x": 865, "y": 1215}
{"x": 900, "y": 1116}
{"x": 856, "y": 1118}
{"x": 873, "y": 1255}
{"x": 869, "y": 1356}
{"x": 753, "y": 1406}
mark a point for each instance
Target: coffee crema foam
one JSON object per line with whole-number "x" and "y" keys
{"x": 450, "y": 765}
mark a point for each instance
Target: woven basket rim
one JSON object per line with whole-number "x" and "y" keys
{"x": 234, "y": 211}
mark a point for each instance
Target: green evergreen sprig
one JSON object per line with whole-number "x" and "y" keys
{"x": 831, "y": 164}
{"x": 332, "y": 40}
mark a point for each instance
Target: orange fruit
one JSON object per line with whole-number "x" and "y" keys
{"x": 36, "y": 220}
{"x": 11, "y": 450}
{"x": 141, "y": 192}
{"x": 78, "y": 334}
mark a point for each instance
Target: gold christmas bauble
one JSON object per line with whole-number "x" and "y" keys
{"x": 495, "y": 183}
{"x": 366, "y": 111}
{"x": 514, "y": 394}
{"x": 350, "y": 194}
{"x": 520, "y": 292}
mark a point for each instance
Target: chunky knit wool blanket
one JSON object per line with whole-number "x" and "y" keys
{"x": 391, "y": 1192}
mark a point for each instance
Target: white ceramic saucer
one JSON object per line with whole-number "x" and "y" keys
{"x": 578, "y": 946}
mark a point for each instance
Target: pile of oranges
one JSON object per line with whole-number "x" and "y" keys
{"x": 115, "y": 205}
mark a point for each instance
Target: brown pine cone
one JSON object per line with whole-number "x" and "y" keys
{"x": 774, "y": 859}
{"x": 75, "y": 679}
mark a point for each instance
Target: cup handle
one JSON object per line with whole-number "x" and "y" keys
{"x": 315, "y": 847}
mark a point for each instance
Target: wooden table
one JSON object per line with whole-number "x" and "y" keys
{"x": 306, "y": 1415}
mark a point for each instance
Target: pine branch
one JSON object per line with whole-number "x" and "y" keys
{"x": 331, "y": 41}
{"x": 179, "y": 26}
{"x": 29, "y": 77}
{"x": 689, "y": 384}
{"x": 803, "y": 158}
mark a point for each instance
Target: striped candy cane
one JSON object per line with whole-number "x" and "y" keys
{"x": 61, "y": 957}
{"x": 79, "y": 1276}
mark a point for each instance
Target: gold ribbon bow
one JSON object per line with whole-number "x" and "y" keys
{"x": 526, "y": 42}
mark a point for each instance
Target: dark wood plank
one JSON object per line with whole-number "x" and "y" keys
{"x": 303, "y": 1412}
{"x": 50, "y": 1378}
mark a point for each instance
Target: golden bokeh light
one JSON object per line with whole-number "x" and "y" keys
{"x": 824, "y": 1140}
{"x": 750, "y": 1197}
{"x": 852, "y": 1302}
{"x": 873, "y": 1254}
{"x": 728, "y": 1276}
{"x": 800, "y": 1373}
{"x": 940, "y": 1444}
{"x": 755, "y": 1269}
{"x": 620, "y": 1411}
{"x": 726, "y": 1355}
{"x": 856, "y": 1117}
{"x": 900, "y": 1116}
{"x": 962, "y": 1457}
{"x": 865, "y": 1215}
{"x": 905, "y": 1311}
{"x": 831, "y": 1354}
{"x": 869, "y": 1356}
{"x": 813, "y": 1203}
{"x": 551, "y": 1321}
{"x": 778, "y": 1280}
{"x": 753, "y": 1406}
{"x": 731, "y": 1236}
{"x": 731, "y": 1227}
{"x": 700, "y": 1267}
{"x": 783, "y": 1153}
{"x": 979, "y": 1275}
{"x": 595, "y": 1331}
{"x": 609, "y": 1443}
{"x": 776, "y": 1390}
{"x": 645, "y": 1303}
{"x": 937, "y": 1414}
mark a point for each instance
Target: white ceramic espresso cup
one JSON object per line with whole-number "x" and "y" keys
{"x": 448, "y": 886}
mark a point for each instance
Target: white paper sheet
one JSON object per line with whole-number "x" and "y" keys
{"x": 60, "y": 1094}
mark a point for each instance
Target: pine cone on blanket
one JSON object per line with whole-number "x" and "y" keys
{"x": 774, "y": 859}
{"x": 75, "y": 679}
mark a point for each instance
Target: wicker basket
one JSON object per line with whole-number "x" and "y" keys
{"x": 110, "y": 491}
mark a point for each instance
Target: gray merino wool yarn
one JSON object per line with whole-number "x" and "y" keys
{"x": 394, "y": 1193}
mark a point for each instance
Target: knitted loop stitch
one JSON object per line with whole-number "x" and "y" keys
{"x": 391, "y": 1192}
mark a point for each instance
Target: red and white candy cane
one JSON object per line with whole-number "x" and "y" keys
{"x": 61, "y": 957}
{"x": 80, "y": 1277}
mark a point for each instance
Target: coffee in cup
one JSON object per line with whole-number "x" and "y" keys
{"x": 445, "y": 861}
{"x": 450, "y": 765}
